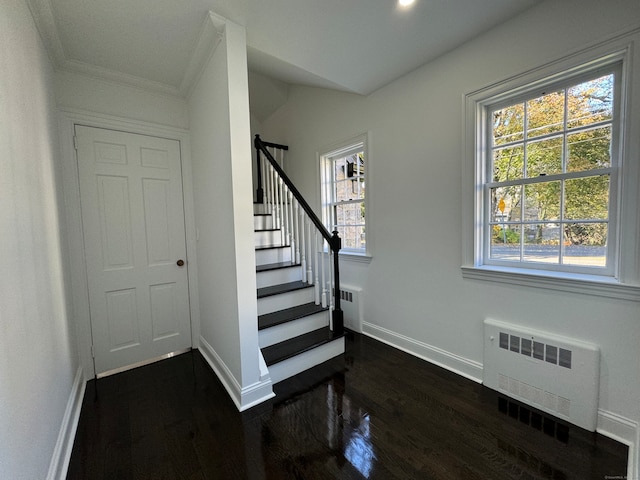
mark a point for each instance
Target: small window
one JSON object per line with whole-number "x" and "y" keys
{"x": 344, "y": 183}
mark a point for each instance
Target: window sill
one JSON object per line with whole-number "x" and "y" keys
{"x": 565, "y": 282}
{"x": 355, "y": 257}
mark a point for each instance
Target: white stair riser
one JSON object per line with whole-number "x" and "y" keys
{"x": 294, "y": 365}
{"x": 281, "y": 275}
{"x": 280, "y": 333}
{"x": 262, "y": 222}
{"x": 273, "y": 255}
{"x": 274, "y": 303}
{"x": 265, "y": 238}
{"x": 259, "y": 208}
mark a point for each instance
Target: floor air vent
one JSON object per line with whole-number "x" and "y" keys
{"x": 555, "y": 374}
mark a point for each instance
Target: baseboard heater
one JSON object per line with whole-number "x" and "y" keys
{"x": 552, "y": 373}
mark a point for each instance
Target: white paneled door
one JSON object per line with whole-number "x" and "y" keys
{"x": 135, "y": 249}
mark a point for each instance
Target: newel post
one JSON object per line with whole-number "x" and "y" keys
{"x": 259, "y": 191}
{"x": 338, "y": 317}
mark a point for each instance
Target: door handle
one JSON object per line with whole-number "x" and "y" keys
{"x": 180, "y": 263}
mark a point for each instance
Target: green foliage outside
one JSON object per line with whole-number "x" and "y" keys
{"x": 505, "y": 235}
{"x": 530, "y": 141}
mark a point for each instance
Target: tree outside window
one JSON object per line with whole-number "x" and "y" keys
{"x": 550, "y": 164}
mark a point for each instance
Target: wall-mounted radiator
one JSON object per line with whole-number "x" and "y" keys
{"x": 351, "y": 304}
{"x": 556, "y": 374}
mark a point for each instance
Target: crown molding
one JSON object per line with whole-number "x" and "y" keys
{"x": 211, "y": 33}
{"x": 115, "y": 76}
{"x": 42, "y": 14}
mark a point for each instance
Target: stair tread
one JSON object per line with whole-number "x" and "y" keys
{"x": 268, "y": 247}
{"x": 266, "y": 229}
{"x": 282, "y": 288}
{"x": 276, "y": 266}
{"x": 294, "y": 346}
{"x": 288, "y": 314}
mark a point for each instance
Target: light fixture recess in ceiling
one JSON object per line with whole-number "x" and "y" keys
{"x": 405, "y": 3}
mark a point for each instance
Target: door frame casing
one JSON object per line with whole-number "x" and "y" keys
{"x": 68, "y": 119}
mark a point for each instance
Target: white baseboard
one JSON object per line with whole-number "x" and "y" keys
{"x": 243, "y": 397}
{"x": 64, "y": 445}
{"x": 462, "y": 366}
{"x": 624, "y": 431}
{"x": 609, "y": 424}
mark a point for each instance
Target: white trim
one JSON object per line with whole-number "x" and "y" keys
{"x": 59, "y": 463}
{"x": 625, "y": 431}
{"x": 148, "y": 361}
{"x": 355, "y": 257}
{"x": 243, "y": 398}
{"x": 76, "y": 66}
{"x": 42, "y": 14}
{"x": 68, "y": 118}
{"x": 465, "y": 367}
{"x": 619, "y": 48}
{"x": 337, "y": 150}
{"x": 211, "y": 34}
{"x": 558, "y": 281}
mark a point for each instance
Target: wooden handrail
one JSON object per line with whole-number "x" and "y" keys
{"x": 333, "y": 239}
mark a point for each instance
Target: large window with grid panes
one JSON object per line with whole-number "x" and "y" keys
{"x": 550, "y": 162}
{"x": 343, "y": 172}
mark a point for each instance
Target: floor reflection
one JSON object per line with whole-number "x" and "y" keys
{"x": 337, "y": 436}
{"x": 375, "y": 413}
{"x": 359, "y": 450}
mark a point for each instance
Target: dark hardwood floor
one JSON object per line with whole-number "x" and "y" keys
{"x": 375, "y": 413}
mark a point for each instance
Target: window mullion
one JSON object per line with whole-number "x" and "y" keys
{"x": 564, "y": 160}
{"x": 551, "y": 178}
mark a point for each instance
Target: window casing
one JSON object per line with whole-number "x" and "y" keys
{"x": 343, "y": 172}
{"x": 620, "y": 277}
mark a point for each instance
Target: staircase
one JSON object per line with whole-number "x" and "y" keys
{"x": 300, "y": 323}
{"x": 293, "y": 331}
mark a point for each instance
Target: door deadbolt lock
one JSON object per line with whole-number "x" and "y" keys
{"x": 180, "y": 263}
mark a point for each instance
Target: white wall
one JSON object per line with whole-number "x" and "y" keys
{"x": 415, "y": 295}
{"x": 221, "y": 153}
{"x": 37, "y": 356}
{"x": 84, "y": 93}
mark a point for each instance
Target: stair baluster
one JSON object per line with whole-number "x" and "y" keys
{"x": 311, "y": 253}
{"x": 324, "y": 278}
{"x": 292, "y": 238}
{"x": 303, "y": 247}
{"x": 295, "y": 219}
{"x": 315, "y": 257}
{"x": 297, "y": 231}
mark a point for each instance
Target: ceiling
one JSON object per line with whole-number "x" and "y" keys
{"x": 351, "y": 45}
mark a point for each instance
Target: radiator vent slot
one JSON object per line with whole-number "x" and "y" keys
{"x": 346, "y": 295}
{"x": 555, "y": 374}
{"x": 537, "y": 350}
{"x": 351, "y": 305}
